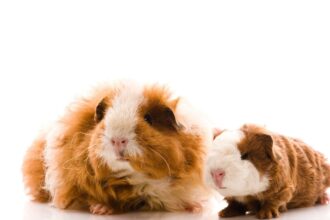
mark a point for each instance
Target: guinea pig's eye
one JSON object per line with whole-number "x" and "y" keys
{"x": 148, "y": 118}
{"x": 245, "y": 156}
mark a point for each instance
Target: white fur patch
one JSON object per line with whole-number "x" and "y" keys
{"x": 241, "y": 176}
{"x": 53, "y": 138}
{"x": 120, "y": 122}
{"x": 194, "y": 122}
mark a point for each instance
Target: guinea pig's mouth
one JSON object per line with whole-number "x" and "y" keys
{"x": 217, "y": 186}
{"x": 121, "y": 158}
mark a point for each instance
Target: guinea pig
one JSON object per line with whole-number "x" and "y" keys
{"x": 127, "y": 147}
{"x": 264, "y": 173}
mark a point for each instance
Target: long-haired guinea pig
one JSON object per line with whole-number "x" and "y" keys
{"x": 265, "y": 173}
{"x": 127, "y": 147}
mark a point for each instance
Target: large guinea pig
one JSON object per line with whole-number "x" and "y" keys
{"x": 261, "y": 172}
{"x": 127, "y": 147}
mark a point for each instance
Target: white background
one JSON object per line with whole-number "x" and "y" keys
{"x": 266, "y": 62}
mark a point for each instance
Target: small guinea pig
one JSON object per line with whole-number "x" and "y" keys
{"x": 265, "y": 173}
{"x": 127, "y": 147}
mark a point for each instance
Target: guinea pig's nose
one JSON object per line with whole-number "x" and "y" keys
{"x": 218, "y": 173}
{"x": 119, "y": 143}
{"x": 218, "y": 176}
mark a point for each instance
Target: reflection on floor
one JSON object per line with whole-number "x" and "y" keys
{"x": 35, "y": 211}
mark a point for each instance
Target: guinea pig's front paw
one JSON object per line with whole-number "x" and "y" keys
{"x": 100, "y": 209}
{"x": 194, "y": 208}
{"x": 268, "y": 213}
{"x": 283, "y": 208}
{"x": 233, "y": 209}
{"x": 324, "y": 199}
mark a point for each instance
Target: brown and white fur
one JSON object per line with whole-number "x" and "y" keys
{"x": 127, "y": 147}
{"x": 265, "y": 173}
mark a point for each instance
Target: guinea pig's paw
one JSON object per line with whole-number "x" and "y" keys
{"x": 268, "y": 213}
{"x": 283, "y": 208}
{"x": 61, "y": 202}
{"x": 232, "y": 210}
{"x": 324, "y": 199}
{"x": 100, "y": 209}
{"x": 194, "y": 208}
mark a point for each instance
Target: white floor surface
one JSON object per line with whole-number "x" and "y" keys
{"x": 27, "y": 210}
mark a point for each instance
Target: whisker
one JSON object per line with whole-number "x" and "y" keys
{"x": 161, "y": 156}
{"x": 72, "y": 142}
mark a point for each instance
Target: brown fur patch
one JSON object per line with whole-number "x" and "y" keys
{"x": 258, "y": 148}
{"x": 178, "y": 153}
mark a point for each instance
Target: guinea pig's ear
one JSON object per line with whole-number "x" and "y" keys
{"x": 169, "y": 119}
{"x": 162, "y": 117}
{"x": 100, "y": 110}
{"x": 174, "y": 103}
{"x": 266, "y": 141}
